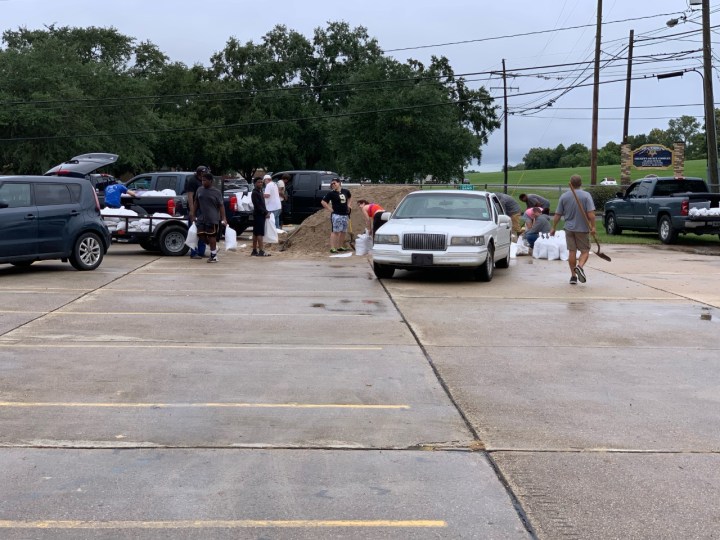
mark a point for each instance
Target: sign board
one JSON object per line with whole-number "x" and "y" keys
{"x": 652, "y": 156}
{"x": 466, "y": 187}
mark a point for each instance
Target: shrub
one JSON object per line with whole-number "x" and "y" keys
{"x": 602, "y": 194}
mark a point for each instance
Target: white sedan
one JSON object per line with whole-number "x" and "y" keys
{"x": 444, "y": 229}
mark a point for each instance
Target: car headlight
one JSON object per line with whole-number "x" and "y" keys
{"x": 467, "y": 241}
{"x": 387, "y": 239}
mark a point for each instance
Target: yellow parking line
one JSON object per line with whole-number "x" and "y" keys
{"x": 19, "y": 404}
{"x": 221, "y": 524}
{"x": 117, "y": 345}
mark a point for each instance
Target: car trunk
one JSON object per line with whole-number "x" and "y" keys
{"x": 81, "y": 166}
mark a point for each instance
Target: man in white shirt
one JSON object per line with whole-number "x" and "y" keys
{"x": 272, "y": 199}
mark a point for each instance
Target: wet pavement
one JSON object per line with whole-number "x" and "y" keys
{"x": 289, "y": 398}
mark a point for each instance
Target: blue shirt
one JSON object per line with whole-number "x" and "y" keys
{"x": 113, "y": 194}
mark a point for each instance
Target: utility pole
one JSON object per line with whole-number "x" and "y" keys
{"x": 505, "y": 88}
{"x": 627, "y": 87}
{"x": 710, "y": 129}
{"x": 596, "y": 98}
{"x": 505, "y": 114}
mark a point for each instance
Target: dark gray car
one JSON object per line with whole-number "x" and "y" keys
{"x": 45, "y": 217}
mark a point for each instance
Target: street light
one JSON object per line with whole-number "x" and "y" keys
{"x": 709, "y": 98}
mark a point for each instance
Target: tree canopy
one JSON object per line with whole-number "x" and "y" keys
{"x": 332, "y": 100}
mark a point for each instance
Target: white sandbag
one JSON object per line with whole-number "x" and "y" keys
{"x": 192, "y": 237}
{"x": 540, "y": 249}
{"x": 271, "y": 234}
{"x": 521, "y": 248}
{"x": 363, "y": 244}
{"x": 513, "y": 250}
{"x": 553, "y": 250}
{"x": 230, "y": 239}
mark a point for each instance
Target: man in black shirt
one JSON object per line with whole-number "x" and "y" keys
{"x": 338, "y": 202}
{"x": 260, "y": 214}
{"x": 191, "y": 186}
{"x": 209, "y": 201}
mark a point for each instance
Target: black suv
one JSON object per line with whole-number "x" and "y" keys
{"x": 45, "y": 217}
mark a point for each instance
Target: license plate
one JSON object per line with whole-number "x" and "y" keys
{"x": 422, "y": 259}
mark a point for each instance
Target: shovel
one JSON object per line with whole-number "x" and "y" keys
{"x": 350, "y": 233}
{"x": 581, "y": 209}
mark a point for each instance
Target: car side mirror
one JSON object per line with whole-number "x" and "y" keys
{"x": 504, "y": 220}
{"x": 4, "y": 204}
{"x": 620, "y": 195}
{"x": 385, "y": 216}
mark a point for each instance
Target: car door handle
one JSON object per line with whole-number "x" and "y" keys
{"x": 30, "y": 216}
{"x": 74, "y": 213}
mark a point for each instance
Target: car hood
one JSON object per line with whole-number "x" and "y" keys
{"x": 456, "y": 227}
{"x": 82, "y": 165}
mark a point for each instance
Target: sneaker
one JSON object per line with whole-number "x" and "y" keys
{"x": 212, "y": 259}
{"x": 263, "y": 254}
{"x": 573, "y": 280}
{"x": 342, "y": 249}
{"x": 254, "y": 253}
{"x": 195, "y": 256}
{"x": 580, "y": 274}
{"x": 333, "y": 250}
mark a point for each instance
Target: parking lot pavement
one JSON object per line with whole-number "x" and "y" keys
{"x": 169, "y": 398}
{"x": 305, "y": 399}
{"x": 596, "y": 402}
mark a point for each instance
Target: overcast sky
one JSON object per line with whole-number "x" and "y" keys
{"x": 191, "y": 31}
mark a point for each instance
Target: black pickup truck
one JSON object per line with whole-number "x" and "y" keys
{"x": 668, "y": 205}
{"x": 304, "y": 193}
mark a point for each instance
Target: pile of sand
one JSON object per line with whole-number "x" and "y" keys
{"x": 312, "y": 236}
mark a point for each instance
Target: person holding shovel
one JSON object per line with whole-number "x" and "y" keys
{"x": 578, "y": 209}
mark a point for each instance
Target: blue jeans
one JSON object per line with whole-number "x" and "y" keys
{"x": 531, "y": 237}
{"x": 277, "y": 213}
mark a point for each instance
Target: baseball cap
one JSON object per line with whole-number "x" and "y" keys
{"x": 267, "y": 177}
{"x": 201, "y": 169}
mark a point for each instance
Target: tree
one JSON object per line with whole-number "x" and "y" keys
{"x": 683, "y": 129}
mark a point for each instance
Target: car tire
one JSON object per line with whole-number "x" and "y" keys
{"x": 611, "y": 226}
{"x": 88, "y": 252}
{"x": 383, "y": 271}
{"x": 485, "y": 272}
{"x": 172, "y": 241}
{"x": 667, "y": 233}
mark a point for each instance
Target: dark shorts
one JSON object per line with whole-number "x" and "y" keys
{"x": 259, "y": 225}
{"x": 210, "y": 229}
{"x": 377, "y": 221}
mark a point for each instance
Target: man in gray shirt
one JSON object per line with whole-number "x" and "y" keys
{"x": 576, "y": 226}
{"x": 512, "y": 209}
{"x": 209, "y": 201}
{"x": 531, "y": 199}
{"x": 539, "y": 225}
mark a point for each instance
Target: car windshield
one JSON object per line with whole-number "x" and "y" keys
{"x": 444, "y": 206}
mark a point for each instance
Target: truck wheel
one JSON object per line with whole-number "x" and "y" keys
{"x": 666, "y": 231}
{"x": 172, "y": 241}
{"x": 611, "y": 226}
{"x": 87, "y": 253}
{"x": 149, "y": 245}
{"x": 383, "y": 271}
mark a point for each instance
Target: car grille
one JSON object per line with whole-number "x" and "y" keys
{"x": 424, "y": 242}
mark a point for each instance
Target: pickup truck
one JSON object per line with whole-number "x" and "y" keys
{"x": 668, "y": 205}
{"x": 305, "y": 191}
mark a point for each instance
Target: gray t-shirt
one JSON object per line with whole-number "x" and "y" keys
{"x": 510, "y": 204}
{"x": 541, "y": 224}
{"x": 537, "y": 200}
{"x": 574, "y": 221}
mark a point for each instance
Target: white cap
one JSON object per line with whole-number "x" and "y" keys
{"x": 267, "y": 177}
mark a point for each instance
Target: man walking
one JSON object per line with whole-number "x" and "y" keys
{"x": 212, "y": 211}
{"x": 260, "y": 215}
{"x": 576, "y": 226}
{"x": 338, "y": 202}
